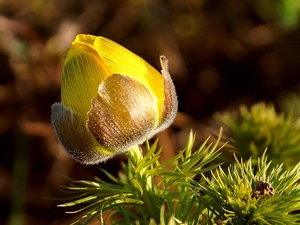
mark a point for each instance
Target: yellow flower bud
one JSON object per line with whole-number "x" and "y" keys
{"x": 111, "y": 100}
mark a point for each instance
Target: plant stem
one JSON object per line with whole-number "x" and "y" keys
{"x": 151, "y": 201}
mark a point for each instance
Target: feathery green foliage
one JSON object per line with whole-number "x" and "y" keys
{"x": 180, "y": 191}
{"x": 138, "y": 199}
{"x": 241, "y": 195}
{"x": 261, "y": 127}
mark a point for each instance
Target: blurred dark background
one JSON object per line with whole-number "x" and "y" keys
{"x": 221, "y": 53}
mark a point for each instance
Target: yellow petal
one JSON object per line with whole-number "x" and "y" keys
{"x": 71, "y": 130}
{"x": 86, "y": 39}
{"x": 123, "y": 114}
{"x": 122, "y": 61}
{"x": 83, "y": 71}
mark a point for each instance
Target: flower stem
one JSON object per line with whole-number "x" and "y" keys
{"x": 135, "y": 154}
{"x": 148, "y": 195}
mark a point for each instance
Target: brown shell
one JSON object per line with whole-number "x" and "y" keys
{"x": 71, "y": 130}
{"x": 123, "y": 114}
